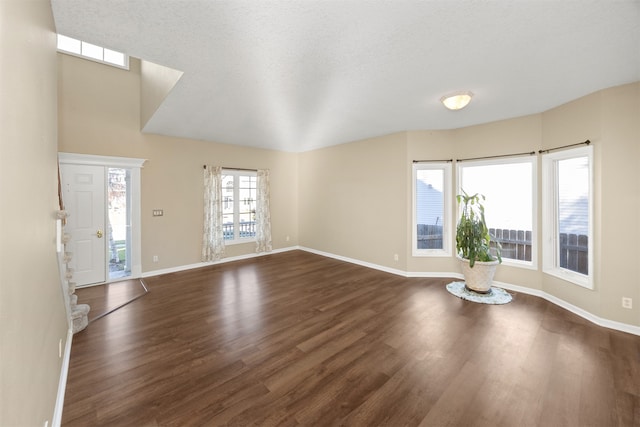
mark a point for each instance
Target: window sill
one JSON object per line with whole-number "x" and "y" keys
{"x": 569, "y": 276}
{"x": 239, "y": 241}
{"x": 528, "y": 265}
{"x": 430, "y": 253}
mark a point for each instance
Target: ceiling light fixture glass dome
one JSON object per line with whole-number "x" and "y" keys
{"x": 457, "y": 100}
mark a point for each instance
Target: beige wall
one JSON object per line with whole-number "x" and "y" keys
{"x": 354, "y": 200}
{"x": 619, "y": 207}
{"x": 519, "y": 135}
{"x": 609, "y": 118}
{"x": 99, "y": 109}
{"x": 156, "y": 82}
{"x": 32, "y": 312}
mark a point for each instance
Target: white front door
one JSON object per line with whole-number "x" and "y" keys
{"x": 83, "y": 194}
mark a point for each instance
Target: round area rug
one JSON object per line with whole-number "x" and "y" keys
{"x": 495, "y": 295}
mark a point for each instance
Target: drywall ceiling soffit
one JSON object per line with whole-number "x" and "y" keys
{"x": 156, "y": 82}
{"x": 295, "y": 76}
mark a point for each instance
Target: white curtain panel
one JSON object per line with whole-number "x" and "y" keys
{"x": 263, "y": 214}
{"x": 213, "y": 237}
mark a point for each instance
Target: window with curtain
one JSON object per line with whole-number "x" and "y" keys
{"x": 212, "y": 235}
{"x": 509, "y": 187}
{"x": 263, "y": 212}
{"x": 431, "y": 206}
{"x": 567, "y": 215}
{"x": 236, "y": 210}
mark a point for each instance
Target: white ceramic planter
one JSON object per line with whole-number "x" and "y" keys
{"x": 480, "y": 277}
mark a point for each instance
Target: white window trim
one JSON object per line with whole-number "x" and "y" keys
{"x": 89, "y": 58}
{"x": 447, "y": 238}
{"x": 136, "y": 216}
{"x": 550, "y": 223}
{"x": 236, "y": 205}
{"x": 529, "y": 265}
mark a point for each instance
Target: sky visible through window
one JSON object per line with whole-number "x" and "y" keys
{"x": 91, "y": 51}
{"x": 508, "y": 191}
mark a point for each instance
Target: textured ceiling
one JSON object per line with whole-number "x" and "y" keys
{"x": 299, "y": 75}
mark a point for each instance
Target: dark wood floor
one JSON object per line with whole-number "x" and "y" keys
{"x": 299, "y": 339}
{"x": 104, "y": 299}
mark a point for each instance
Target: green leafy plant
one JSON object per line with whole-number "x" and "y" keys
{"x": 473, "y": 240}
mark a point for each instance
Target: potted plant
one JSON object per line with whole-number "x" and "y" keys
{"x": 473, "y": 244}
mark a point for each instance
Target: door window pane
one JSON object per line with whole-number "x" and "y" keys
{"x": 119, "y": 222}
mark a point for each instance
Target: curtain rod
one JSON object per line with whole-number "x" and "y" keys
{"x": 433, "y": 161}
{"x": 587, "y": 142}
{"x": 529, "y": 153}
{"x": 236, "y": 169}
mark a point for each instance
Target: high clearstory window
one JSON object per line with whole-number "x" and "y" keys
{"x": 93, "y": 52}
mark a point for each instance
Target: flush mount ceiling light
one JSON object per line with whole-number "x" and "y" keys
{"x": 457, "y": 100}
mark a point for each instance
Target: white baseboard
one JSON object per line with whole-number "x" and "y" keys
{"x": 435, "y": 274}
{"x": 62, "y": 383}
{"x": 220, "y": 261}
{"x": 611, "y": 324}
{"x": 356, "y": 261}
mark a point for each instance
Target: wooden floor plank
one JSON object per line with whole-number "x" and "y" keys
{"x": 299, "y": 339}
{"x": 108, "y": 297}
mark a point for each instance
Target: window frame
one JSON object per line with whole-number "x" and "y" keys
{"x": 237, "y": 173}
{"x": 533, "y": 160}
{"x": 91, "y": 58}
{"x": 550, "y": 219}
{"x": 447, "y": 236}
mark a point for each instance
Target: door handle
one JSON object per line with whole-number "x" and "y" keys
{"x": 99, "y": 234}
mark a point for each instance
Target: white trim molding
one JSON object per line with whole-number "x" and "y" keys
{"x": 356, "y": 261}
{"x": 62, "y": 383}
{"x": 93, "y": 160}
{"x": 134, "y": 165}
{"x": 435, "y": 274}
{"x": 611, "y": 324}
{"x": 551, "y": 216}
{"x": 220, "y": 261}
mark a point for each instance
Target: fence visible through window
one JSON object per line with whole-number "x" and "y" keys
{"x": 245, "y": 230}
{"x": 429, "y": 236}
{"x": 574, "y": 252}
{"x": 516, "y": 244}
